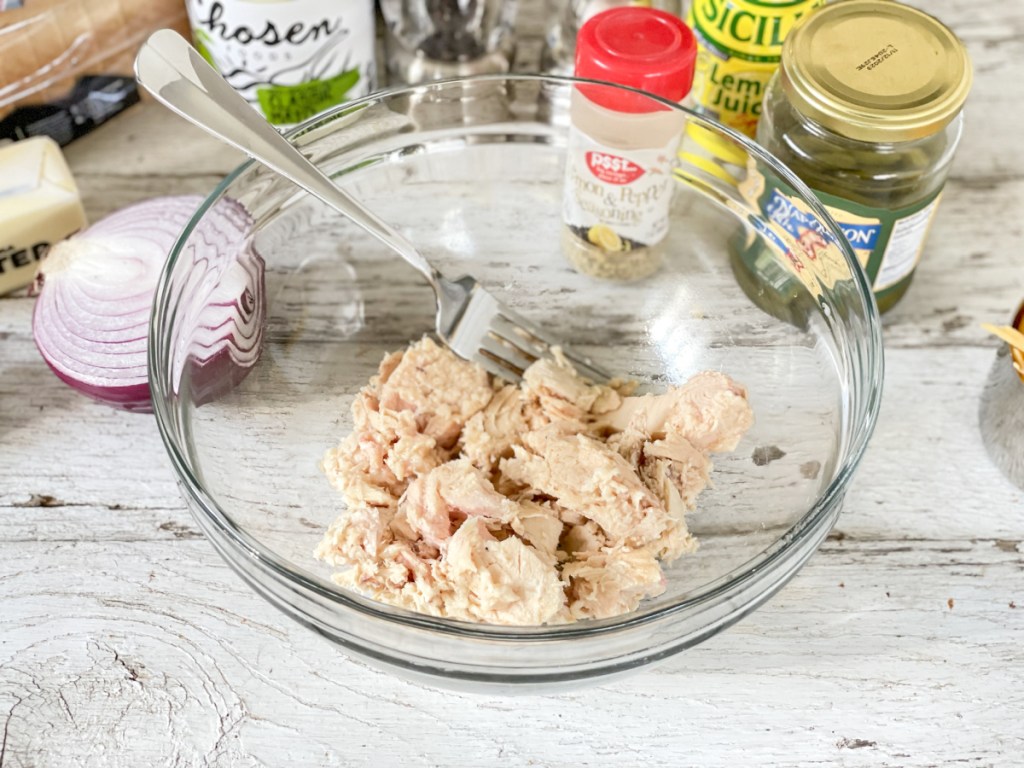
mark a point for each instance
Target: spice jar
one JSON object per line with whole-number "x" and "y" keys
{"x": 866, "y": 110}
{"x": 619, "y": 183}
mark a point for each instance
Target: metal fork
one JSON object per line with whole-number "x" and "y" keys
{"x": 471, "y": 321}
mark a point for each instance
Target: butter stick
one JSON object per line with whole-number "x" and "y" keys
{"x": 39, "y": 205}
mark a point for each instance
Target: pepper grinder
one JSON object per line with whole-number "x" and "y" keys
{"x": 436, "y": 39}
{"x": 1001, "y": 415}
{"x": 565, "y": 17}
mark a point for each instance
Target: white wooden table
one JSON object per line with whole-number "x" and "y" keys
{"x": 124, "y": 640}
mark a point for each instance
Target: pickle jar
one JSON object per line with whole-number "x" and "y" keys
{"x": 866, "y": 108}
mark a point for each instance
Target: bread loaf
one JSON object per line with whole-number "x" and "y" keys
{"x": 46, "y": 44}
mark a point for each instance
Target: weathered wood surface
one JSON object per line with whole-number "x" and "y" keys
{"x": 124, "y": 641}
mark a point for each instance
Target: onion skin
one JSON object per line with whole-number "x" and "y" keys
{"x": 95, "y": 292}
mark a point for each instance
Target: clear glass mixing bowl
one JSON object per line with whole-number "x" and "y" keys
{"x": 756, "y": 280}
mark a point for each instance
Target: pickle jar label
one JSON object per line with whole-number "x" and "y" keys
{"x": 888, "y": 244}
{"x": 810, "y": 250}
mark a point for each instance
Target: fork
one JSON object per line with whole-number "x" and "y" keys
{"x": 470, "y": 320}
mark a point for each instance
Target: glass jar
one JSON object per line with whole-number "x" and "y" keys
{"x": 437, "y": 39}
{"x": 565, "y": 17}
{"x": 866, "y": 110}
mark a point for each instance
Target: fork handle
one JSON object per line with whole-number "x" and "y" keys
{"x": 181, "y": 79}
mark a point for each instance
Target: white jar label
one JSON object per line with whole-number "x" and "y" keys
{"x": 906, "y": 242}
{"x": 289, "y": 58}
{"x": 614, "y": 198}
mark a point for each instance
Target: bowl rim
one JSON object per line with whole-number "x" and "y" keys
{"x": 872, "y": 373}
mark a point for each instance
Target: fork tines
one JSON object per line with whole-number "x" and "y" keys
{"x": 513, "y": 344}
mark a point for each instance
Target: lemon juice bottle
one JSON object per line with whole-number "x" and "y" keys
{"x": 739, "y": 45}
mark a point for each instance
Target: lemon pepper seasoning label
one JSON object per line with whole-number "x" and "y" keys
{"x": 617, "y": 199}
{"x": 739, "y": 44}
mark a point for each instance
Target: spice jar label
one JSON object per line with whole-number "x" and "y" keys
{"x": 617, "y": 199}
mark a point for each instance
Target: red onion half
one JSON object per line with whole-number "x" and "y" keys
{"x": 95, "y": 293}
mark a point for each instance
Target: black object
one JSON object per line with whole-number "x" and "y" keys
{"x": 94, "y": 100}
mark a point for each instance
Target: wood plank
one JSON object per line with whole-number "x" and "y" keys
{"x": 161, "y": 653}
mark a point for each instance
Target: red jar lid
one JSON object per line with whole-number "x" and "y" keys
{"x": 644, "y": 48}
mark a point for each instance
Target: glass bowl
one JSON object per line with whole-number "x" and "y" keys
{"x": 756, "y": 280}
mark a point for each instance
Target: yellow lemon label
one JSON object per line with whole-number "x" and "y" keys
{"x": 730, "y": 90}
{"x": 751, "y": 29}
{"x": 739, "y": 43}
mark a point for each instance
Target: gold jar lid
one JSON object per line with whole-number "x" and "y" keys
{"x": 875, "y": 70}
